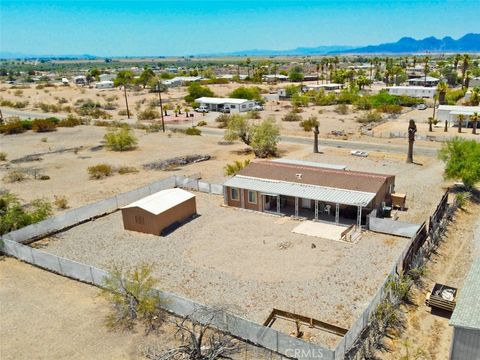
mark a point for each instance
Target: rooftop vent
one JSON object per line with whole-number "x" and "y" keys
{"x": 299, "y": 176}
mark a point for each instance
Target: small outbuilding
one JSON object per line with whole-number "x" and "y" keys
{"x": 466, "y": 318}
{"x": 156, "y": 212}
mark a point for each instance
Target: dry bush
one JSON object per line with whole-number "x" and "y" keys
{"x": 341, "y": 109}
{"x": 120, "y": 140}
{"x": 148, "y": 114}
{"x": 370, "y": 117}
{"x": 14, "y": 176}
{"x": 127, "y": 170}
{"x": 100, "y": 171}
{"x": 3, "y": 156}
{"x": 43, "y": 125}
{"x": 60, "y": 202}
{"x": 292, "y": 116}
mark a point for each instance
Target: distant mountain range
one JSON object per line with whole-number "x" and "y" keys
{"x": 406, "y": 45}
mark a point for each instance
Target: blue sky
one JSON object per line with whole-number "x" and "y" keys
{"x": 183, "y": 27}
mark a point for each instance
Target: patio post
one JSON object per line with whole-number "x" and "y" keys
{"x": 316, "y": 210}
{"x": 242, "y": 198}
{"x": 337, "y": 213}
{"x": 278, "y": 204}
{"x": 296, "y": 206}
{"x": 359, "y": 217}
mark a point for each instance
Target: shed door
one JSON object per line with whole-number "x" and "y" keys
{"x": 306, "y": 203}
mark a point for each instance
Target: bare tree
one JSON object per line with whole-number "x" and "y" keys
{"x": 199, "y": 341}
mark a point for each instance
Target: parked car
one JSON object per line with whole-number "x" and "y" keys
{"x": 258, "y": 107}
{"x": 359, "y": 153}
{"x": 202, "y": 109}
{"x": 225, "y": 110}
{"x": 421, "y": 107}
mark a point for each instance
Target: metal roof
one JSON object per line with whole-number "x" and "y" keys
{"x": 306, "y": 191}
{"x": 428, "y": 78}
{"x": 310, "y": 163}
{"x": 219, "y": 101}
{"x": 467, "y": 310}
{"x": 161, "y": 201}
{"x": 459, "y": 108}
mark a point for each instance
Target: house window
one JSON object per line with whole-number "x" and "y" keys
{"x": 232, "y": 107}
{"x": 234, "y": 194}
{"x": 244, "y": 106}
{"x": 139, "y": 220}
{"x": 252, "y": 197}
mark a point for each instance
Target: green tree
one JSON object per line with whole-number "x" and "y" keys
{"x": 442, "y": 89}
{"x": 249, "y": 93}
{"x": 124, "y": 78}
{"x": 133, "y": 298}
{"x": 296, "y": 74}
{"x": 195, "y": 91}
{"x": 474, "y": 118}
{"x": 460, "y": 119}
{"x": 145, "y": 77}
{"x": 236, "y": 166}
{"x": 461, "y": 160}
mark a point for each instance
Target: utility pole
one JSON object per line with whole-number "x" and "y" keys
{"x": 161, "y": 105}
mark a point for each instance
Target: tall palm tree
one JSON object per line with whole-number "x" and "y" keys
{"x": 465, "y": 65}
{"x": 124, "y": 78}
{"x": 248, "y": 62}
{"x": 317, "y": 68}
{"x": 456, "y": 60}
{"x": 460, "y": 118}
{"x": 442, "y": 89}
{"x": 474, "y": 118}
{"x": 426, "y": 69}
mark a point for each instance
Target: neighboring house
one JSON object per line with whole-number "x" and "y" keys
{"x": 154, "y": 213}
{"x": 181, "y": 80}
{"x": 424, "y": 81}
{"x": 106, "y": 77}
{"x": 308, "y": 189}
{"x": 274, "y": 77}
{"x": 222, "y": 104}
{"x": 450, "y": 113}
{"x": 466, "y": 318}
{"x": 413, "y": 91}
{"x": 232, "y": 76}
{"x": 107, "y": 84}
{"x": 318, "y": 87}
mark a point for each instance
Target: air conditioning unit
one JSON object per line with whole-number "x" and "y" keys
{"x": 299, "y": 176}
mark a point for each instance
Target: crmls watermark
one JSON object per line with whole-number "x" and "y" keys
{"x": 304, "y": 353}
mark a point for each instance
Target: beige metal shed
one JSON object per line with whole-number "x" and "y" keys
{"x": 154, "y": 213}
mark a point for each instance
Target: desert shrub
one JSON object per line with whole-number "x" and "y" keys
{"x": 453, "y": 95}
{"x": 70, "y": 121}
{"x": 151, "y": 128}
{"x": 133, "y": 299}
{"x": 14, "y": 215}
{"x": 236, "y": 166}
{"x": 193, "y": 131}
{"x": 254, "y": 114}
{"x": 127, "y": 170}
{"x": 62, "y": 100}
{"x": 49, "y": 107}
{"x": 93, "y": 112}
{"x": 14, "y": 176}
{"x": 244, "y": 92}
{"x": 384, "y": 98}
{"x": 323, "y": 99}
{"x": 363, "y": 103}
{"x": 3, "y": 156}
{"x": 341, "y": 109}
{"x": 12, "y": 126}
{"x": 123, "y": 112}
{"x": 43, "y": 177}
{"x": 291, "y": 116}
{"x": 44, "y": 139}
{"x": 18, "y": 92}
{"x": 390, "y": 109}
{"x": 120, "y": 139}
{"x": 100, "y": 171}
{"x": 299, "y": 99}
{"x": 222, "y": 120}
{"x": 110, "y": 106}
{"x": 202, "y": 123}
{"x": 60, "y": 202}
{"x": 20, "y": 104}
{"x": 370, "y": 117}
{"x": 148, "y": 114}
{"x": 43, "y": 125}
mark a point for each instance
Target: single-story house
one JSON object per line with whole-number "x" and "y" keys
{"x": 318, "y": 87}
{"x": 466, "y": 318}
{"x": 181, "y": 80}
{"x": 106, "y": 77}
{"x": 309, "y": 189}
{"x": 450, "y": 113}
{"x": 424, "y": 81}
{"x": 413, "y": 91}
{"x": 232, "y": 76}
{"x": 219, "y": 104}
{"x": 154, "y": 213}
{"x": 107, "y": 84}
{"x": 274, "y": 77}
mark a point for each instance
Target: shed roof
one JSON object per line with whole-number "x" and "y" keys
{"x": 219, "y": 101}
{"x": 161, "y": 201}
{"x": 310, "y": 175}
{"x": 467, "y": 310}
{"x": 306, "y": 191}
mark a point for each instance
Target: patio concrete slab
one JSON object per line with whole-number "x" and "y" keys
{"x": 320, "y": 229}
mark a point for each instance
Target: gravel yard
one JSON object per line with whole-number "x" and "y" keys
{"x": 249, "y": 261}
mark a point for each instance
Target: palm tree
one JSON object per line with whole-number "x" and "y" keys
{"x": 475, "y": 97}
{"x": 248, "y": 62}
{"x": 124, "y": 78}
{"x": 308, "y": 125}
{"x": 474, "y": 118}
{"x": 426, "y": 69}
{"x": 317, "y": 67}
{"x": 414, "y": 61}
{"x": 430, "y": 123}
{"x": 460, "y": 118}
{"x": 465, "y": 65}
{"x": 456, "y": 60}
{"x": 442, "y": 89}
